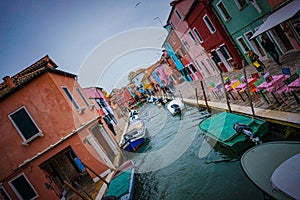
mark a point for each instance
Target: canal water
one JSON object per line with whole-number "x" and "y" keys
{"x": 177, "y": 162}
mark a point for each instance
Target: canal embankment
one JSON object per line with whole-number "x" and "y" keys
{"x": 274, "y": 116}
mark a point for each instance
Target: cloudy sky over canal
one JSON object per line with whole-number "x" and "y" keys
{"x": 70, "y": 32}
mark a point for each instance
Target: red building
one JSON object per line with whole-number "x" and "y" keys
{"x": 48, "y": 134}
{"x": 177, "y": 37}
{"x": 215, "y": 39}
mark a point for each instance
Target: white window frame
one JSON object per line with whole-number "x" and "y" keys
{"x": 221, "y": 11}
{"x": 172, "y": 39}
{"x": 185, "y": 45}
{"x": 192, "y": 37}
{"x": 240, "y": 7}
{"x": 15, "y": 189}
{"x": 242, "y": 47}
{"x": 211, "y": 65}
{"x": 227, "y": 51}
{"x": 3, "y": 189}
{"x": 198, "y": 35}
{"x": 26, "y": 141}
{"x": 208, "y": 25}
{"x": 91, "y": 106}
{"x": 79, "y": 109}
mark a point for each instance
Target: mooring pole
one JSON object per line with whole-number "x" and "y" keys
{"x": 95, "y": 174}
{"x": 248, "y": 90}
{"x": 204, "y": 95}
{"x": 225, "y": 92}
{"x": 74, "y": 190}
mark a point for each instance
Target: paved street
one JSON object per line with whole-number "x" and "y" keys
{"x": 288, "y": 103}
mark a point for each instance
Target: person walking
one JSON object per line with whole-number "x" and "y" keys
{"x": 269, "y": 46}
{"x": 259, "y": 66}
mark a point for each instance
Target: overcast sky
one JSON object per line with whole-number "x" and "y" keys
{"x": 74, "y": 32}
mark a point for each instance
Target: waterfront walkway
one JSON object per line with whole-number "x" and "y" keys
{"x": 288, "y": 111}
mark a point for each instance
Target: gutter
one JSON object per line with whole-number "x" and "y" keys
{"x": 51, "y": 146}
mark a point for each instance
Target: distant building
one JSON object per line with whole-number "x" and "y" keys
{"x": 49, "y": 133}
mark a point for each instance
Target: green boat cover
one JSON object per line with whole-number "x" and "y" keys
{"x": 220, "y": 127}
{"x": 119, "y": 185}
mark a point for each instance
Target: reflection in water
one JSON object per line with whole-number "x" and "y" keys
{"x": 176, "y": 162}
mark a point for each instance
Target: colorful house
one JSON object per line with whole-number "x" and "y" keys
{"x": 48, "y": 130}
{"x": 207, "y": 30}
{"x": 197, "y": 60}
{"x": 123, "y": 98}
{"x": 172, "y": 46}
{"x": 282, "y": 25}
{"x": 241, "y": 18}
{"x": 180, "y": 27}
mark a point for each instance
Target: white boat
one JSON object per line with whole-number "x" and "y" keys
{"x": 133, "y": 115}
{"x": 175, "y": 106}
{"x": 134, "y": 137}
{"x": 274, "y": 168}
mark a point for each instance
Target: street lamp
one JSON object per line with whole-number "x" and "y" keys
{"x": 157, "y": 18}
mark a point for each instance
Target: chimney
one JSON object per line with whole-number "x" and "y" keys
{"x": 9, "y": 82}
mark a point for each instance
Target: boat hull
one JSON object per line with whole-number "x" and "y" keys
{"x": 260, "y": 162}
{"x": 121, "y": 185}
{"x": 135, "y": 137}
{"x": 219, "y": 127}
{"x": 133, "y": 145}
{"x": 177, "y": 102}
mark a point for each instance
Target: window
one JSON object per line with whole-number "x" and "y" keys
{"x": 172, "y": 39}
{"x": 198, "y": 35}
{"x": 187, "y": 70}
{"x": 66, "y": 90}
{"x": 216, "y": 58}
{"x": 209, "y": 24}
{"x": 243, "y": 44}
{"x": 82, "y": 96}
{"x": 192, "y": 68}
{"x": 101, "y": 102}
{"x": 178, "y": 14}
{"x": 186, "y": 45}
{"x": 182, "y": 51}
{"x": 225, "y": 52}
{"x": 226, "y": 16}
{"x": 203, "y": 66}
{"x": 25, "y": 125}
{"x": 3, "y": 194}
{"x": 23, "y": 188}
{"x": 240, "y": 4}
{"x": 192, "y": 37}
{"x": 210, "y": 64}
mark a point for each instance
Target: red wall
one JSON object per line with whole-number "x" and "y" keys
{"x": 53, "y": 112}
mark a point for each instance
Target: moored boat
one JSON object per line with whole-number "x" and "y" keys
{"x": 220, "y": 127}
{"x": 134, "y": 137}
{"x": 133, "y": 115}
{"x": 274, "y": 168}
{"x": 121, "y": 185}
{"x": 175, "y": 106}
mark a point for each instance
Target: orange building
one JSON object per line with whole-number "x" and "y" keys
{"x": 48, "y": 134}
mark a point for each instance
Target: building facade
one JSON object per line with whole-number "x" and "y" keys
{"x": 48, "y": 132}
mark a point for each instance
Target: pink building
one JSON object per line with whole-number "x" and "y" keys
{"x": 49, "y": 133}
{"x": 181, "y": 30}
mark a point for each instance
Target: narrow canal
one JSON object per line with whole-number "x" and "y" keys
{"x": 176, "y": 162}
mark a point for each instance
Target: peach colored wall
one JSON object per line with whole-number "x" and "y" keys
{"x": 51, "y": 110}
